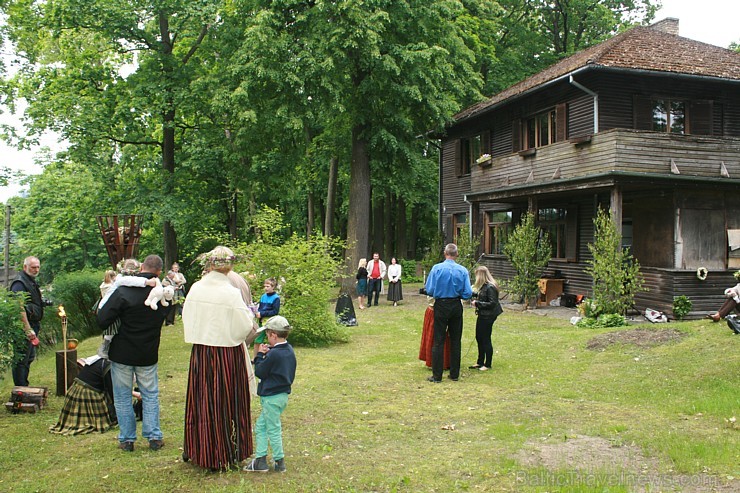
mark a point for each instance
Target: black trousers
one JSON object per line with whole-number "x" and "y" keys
{"x": 448, "y": 318}
{"x": 483, "y": 330}
{"x": 373, "y": 285}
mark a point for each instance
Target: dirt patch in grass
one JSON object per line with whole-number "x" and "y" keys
{"x": 584, "y": 460}
{"x": 637, "y": 337}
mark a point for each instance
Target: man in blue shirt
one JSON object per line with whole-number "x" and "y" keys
{"x": 448, "y": 283}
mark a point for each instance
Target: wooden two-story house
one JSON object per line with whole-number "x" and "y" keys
{"x": 646, "y": 124}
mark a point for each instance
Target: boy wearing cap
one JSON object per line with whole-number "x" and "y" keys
{"x": 275, "y": 366}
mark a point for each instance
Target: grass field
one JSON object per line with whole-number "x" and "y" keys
{"x": 551, "y": 415}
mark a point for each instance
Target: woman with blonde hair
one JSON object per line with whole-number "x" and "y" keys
{"x": 361, "y": 282}
{"x": 488, "y": 308}
{"x": 217, "y": 322}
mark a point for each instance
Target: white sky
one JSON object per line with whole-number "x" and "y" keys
{"x": 715, "y": 22}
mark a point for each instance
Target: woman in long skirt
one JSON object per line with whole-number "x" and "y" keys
{"x": 395, "y": 293}
{"x": 88, "y": 405}
{"x": 217, "y": 322}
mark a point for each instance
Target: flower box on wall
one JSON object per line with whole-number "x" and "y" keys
{"x": 528, "y": 152}
{"x": 484, "y": 160}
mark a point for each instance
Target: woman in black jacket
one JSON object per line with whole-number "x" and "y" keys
{"x": 488, "y": 308}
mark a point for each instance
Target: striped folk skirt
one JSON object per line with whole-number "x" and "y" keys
{"x": 218, "y": 429}
{"x": 85, "y": 410}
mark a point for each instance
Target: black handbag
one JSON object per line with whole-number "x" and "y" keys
{"x": 733, "y": 323}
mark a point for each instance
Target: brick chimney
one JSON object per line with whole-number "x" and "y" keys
{"x": 668, "y": 25}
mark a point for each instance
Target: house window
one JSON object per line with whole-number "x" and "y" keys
{"x": 669, "y": 116}
{"x": 459, "y": 223}
{"x": 470, "y": 149}
{"x": 540, "y": 130}
{"x": 553, "y": 221}
{"x": 498, "y": 228}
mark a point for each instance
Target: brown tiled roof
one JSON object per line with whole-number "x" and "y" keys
{"x": 640, "y": 48}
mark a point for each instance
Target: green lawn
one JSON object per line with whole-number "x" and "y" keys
{"x": 551, "y": 415}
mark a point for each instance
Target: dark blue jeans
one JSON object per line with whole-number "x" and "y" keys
{"x": 448, "y": 317}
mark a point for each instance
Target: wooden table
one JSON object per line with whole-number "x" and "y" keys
{"x": 549, "y": 290}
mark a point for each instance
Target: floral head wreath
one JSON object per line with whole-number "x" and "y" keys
{"x": 128, "y": 267}
{"x": 210, "y": 261}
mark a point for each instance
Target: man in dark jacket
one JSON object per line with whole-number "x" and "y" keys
{"x": 135, "y": 351}
{"x": 31, "y": 316}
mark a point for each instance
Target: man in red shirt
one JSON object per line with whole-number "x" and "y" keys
{"x": 375, "y": 275}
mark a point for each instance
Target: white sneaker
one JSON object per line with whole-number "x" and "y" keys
{"x": 483, "y": 368}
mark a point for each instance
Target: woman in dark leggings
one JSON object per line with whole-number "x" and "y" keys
{"x": 488, "y": 308}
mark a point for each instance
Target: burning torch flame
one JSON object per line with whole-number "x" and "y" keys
{"x": 62, "y": 313}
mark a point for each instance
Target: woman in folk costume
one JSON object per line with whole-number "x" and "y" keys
{"x": 217, "y": 322}
{"x": 88, "y": 405}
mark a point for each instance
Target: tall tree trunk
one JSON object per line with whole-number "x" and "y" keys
{"x": 378, "y": 229}
{"x": 168, "y": 164}
{"x": 331, "y": 193}
{"x": 233, "y": 210}
{"x": 310, "y": 217}
{"x": 389, "y": 245}
{"x": 414, "y": 231}
{"x": 402, "y": 249}
{"x": 168, "y": 138}
{"x": 359, "y": 204}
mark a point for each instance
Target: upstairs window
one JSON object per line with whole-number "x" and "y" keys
{"x": 469, "y": 150}
{"x": 669, "y": 116}
{"x": 677, "y": 116}
{"x": 540, "y": 130}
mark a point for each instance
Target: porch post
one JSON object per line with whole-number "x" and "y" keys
{"x": 616, "y": 207}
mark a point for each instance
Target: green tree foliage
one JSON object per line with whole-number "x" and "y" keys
{"x": 306, "y": 271}
{"x": 77, "y": 291}
{"x": 57, "y": 220}
{"x": 528, "y": 249}
{"x": 379, "y": 73}
{"x": 12, "y": 337}
{"x": 534, "y": 34}
{"x": 112, "y": 77}
{"x": 615, "y": 272}
{"x": 467, "y": 248}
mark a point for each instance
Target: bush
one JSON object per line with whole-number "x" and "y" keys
{"x": 408, "y": 271}
{"x": 616, "y": 274}
{"x": 305, "y": 269}
{"x": 681, "y": 306}
{"x": 77, "y": 291}
{"x": 528, "y": 249}
{"x": 13, "y": 339}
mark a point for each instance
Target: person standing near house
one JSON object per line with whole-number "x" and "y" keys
{"x": 488, "y": 308}
{"x": 31, "y": 315}
{"x": 376, "y": 272}
{"x": 448, "y": 283}
{"x": 135, "y": 352}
